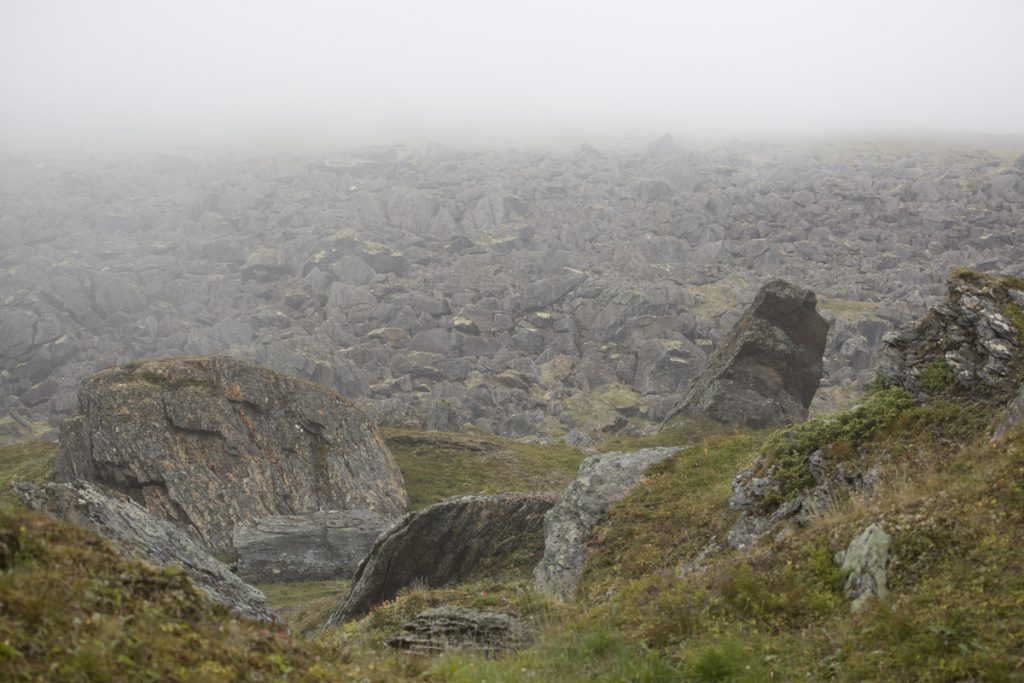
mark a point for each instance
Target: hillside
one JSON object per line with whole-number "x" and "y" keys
{"x": 953, "y": 502}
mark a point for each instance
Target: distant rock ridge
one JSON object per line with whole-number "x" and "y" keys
{"x": 211, "y": 442}
{"x": 767, "y": 370}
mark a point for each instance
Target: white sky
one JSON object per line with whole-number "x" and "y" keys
{"x": 86, "y": 72}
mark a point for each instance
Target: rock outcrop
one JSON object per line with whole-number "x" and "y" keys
{"x": 462, "y": 628}
{"x": 314, "y": 547}
{"x": 443, "y": 543}
{"x": 867, "y": 561}
{"x": 137, "y": 531}
{"x": 970, "y": 344}
{"x": 209, "y": 443}
{"x": 603, "y": 479}
{"x": 767, "y": 370}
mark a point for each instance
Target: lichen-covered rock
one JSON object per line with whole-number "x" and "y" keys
{"x": 209, "y": 443}
{"x": 321, "y": 545}
{"x": 603, "y": 479}
{"x": 966, "y": 344}
{"x": 450, "y": 627}
{"x": 767, "y": 370}
{"x": 139, "y": 532}
{"x": 443, "y": 543}
{"x": 867, "y": 560}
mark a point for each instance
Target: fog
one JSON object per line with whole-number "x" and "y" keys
{"x": 212, "y": 72}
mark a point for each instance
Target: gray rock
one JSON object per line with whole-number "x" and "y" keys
{"x": 321, "y": 545}
{"x": 442, "y": 544}
{"x": 867, "y": 560}
{"x": 138, "y": 532}
{"x": 450, "y": 627}
{"x": 209, "y": 443}
{"x": 767, "y": 370}
{"x": 1014, "y": 418}
{"x": 603, "y": 479}
{"x": 968, "y": 334}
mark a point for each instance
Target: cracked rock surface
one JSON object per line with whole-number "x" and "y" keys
{"x": 442, "y": 544}
{"x": 212, "y": 442}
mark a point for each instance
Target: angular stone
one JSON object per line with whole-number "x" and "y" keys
{"x": 138, "y": 532}
{"x": 450, "y": 627}
{"x": 867, "y": 560}
{"x": 443, "y": 543}
{"x": 603, "y": 479}
{"x": 767, "y": 370}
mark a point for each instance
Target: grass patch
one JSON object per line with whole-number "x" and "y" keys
{"x": 439, "y": 465}
{"x": 305, "y": 605}
{"x": 31, "y": 461}
{"x": 680, "y": 509}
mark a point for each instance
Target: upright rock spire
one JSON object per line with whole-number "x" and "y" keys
{"x": 768, "y": 368}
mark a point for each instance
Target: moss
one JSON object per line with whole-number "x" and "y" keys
{"x": 938, "y": 377}
{"x": 788, "y": 450}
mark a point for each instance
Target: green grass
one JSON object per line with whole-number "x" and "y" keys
{"x": 644, "y": 532}
{"x": 71, "y": 609}
{"x": 438, "y": 465}
{"x": 305, "y": 605}
{"x": 31, "y": 461}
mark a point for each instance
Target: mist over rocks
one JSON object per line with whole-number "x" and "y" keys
{"x": 212, "y": 442}
{"x": 491, "y": 289}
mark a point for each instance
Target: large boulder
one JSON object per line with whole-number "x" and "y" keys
{"x": 314, "y": 547}
{"x": 603, "y": 479}
{"x": 443, "y": 543}
{"x": 767, "y": 370}
{"x": 137, "y": 531}
{"x": 209, "y": 443}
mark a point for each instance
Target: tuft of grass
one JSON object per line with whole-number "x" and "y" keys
{"x": 31, "y": 461}
{"x": 938, "y": 377}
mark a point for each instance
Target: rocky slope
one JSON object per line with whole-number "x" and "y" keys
{"x": 517, "y": 291}
{"x": 155, "y": 540}
{"x": 209, "y": 443}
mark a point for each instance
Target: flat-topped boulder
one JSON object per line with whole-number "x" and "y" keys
{"x": 768, "y": 368}
{"x": 316, "y": 547}
{"x": 442, "y": 544}
{"x": 212, "y": 442}
{"x": 137, "y": 532}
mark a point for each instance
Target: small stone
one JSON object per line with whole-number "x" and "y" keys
{"x": 867, "y": 560}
